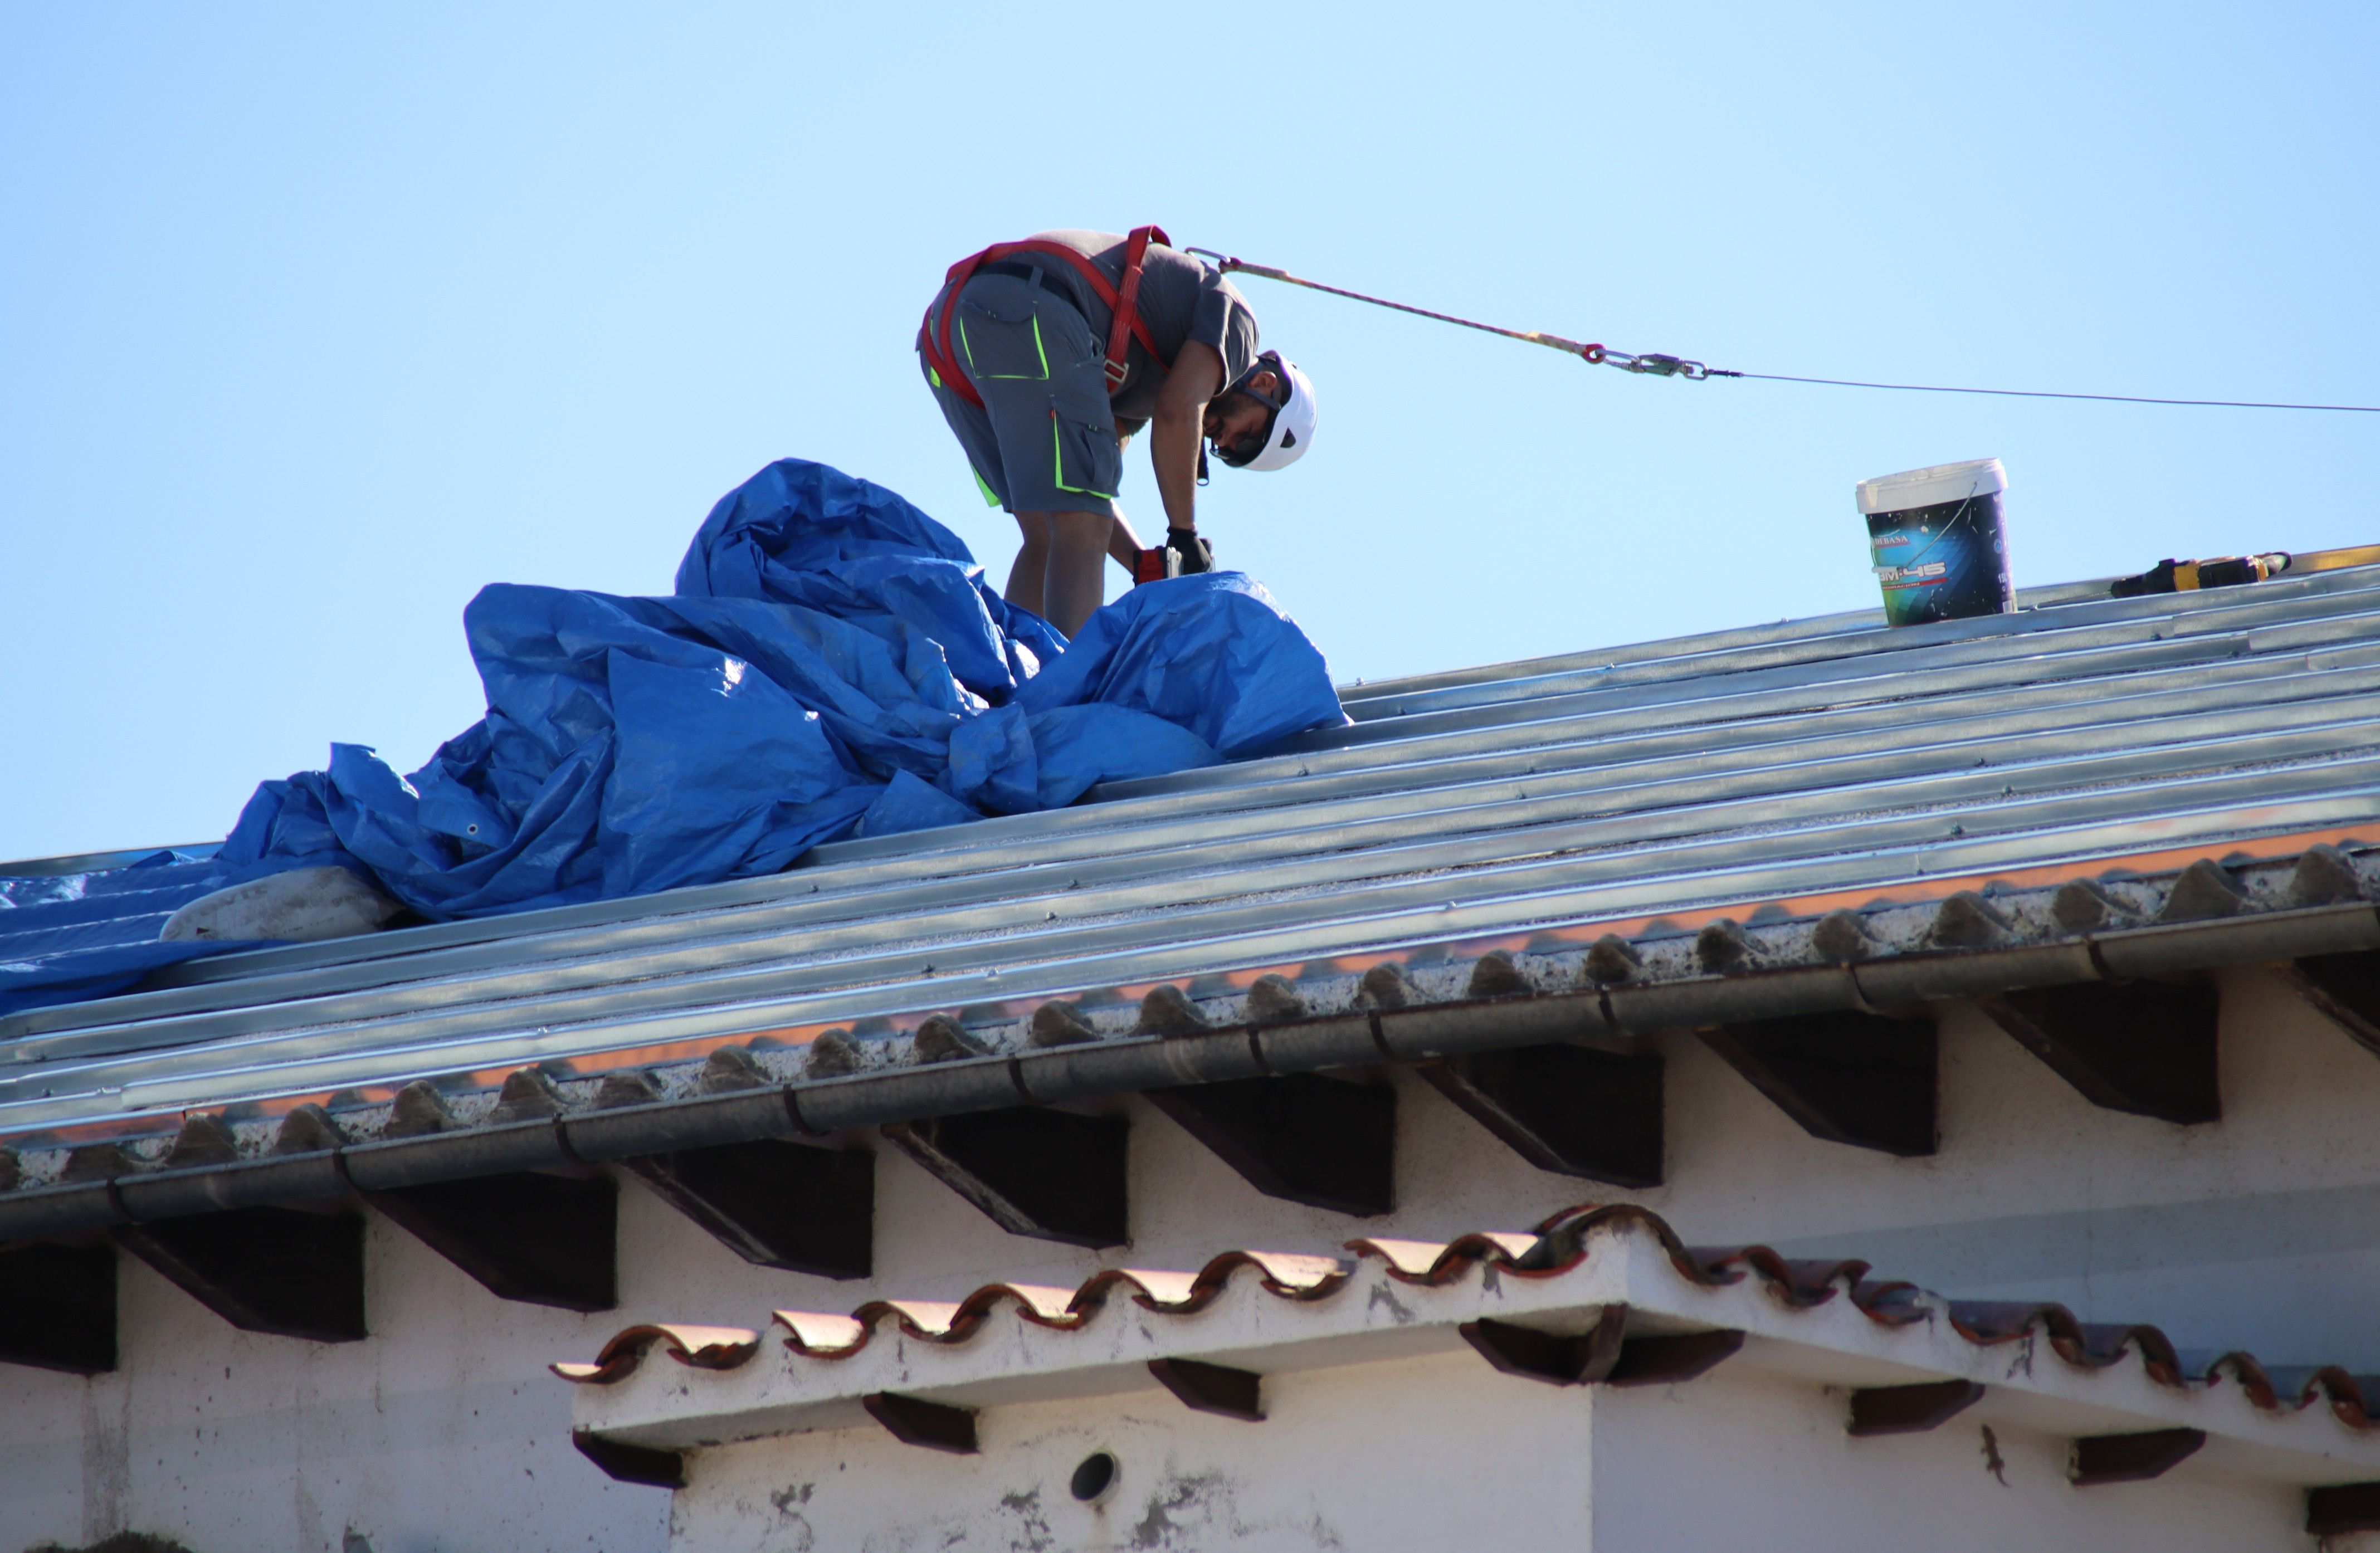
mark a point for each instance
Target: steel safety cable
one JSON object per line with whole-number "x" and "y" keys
{"x": 1655, "y": 365}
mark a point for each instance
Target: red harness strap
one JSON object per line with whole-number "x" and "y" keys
{"x": 1123, "y": 302}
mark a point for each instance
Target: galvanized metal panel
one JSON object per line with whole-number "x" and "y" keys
{"x": 1789, "y": 760}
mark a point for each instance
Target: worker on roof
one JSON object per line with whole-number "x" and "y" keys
{"x": 1048, "y": 355}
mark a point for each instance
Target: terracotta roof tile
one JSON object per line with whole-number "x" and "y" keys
{"x": 1563, "y": 1243}
{"x": 704, "y": 1348}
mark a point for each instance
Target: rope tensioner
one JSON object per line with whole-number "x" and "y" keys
{"x": 1594, "y": 355}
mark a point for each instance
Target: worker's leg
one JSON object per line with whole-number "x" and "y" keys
{"x": 1025, "y": 574}
{"x": 1031, "y": 357}
{"x": 1074, "y": 580}
{"x": 972, "y": 425}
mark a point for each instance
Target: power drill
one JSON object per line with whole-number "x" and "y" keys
{"x": 1182, "y": 553}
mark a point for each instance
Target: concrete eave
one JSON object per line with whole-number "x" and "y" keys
{"x": 1375, "y": 1315}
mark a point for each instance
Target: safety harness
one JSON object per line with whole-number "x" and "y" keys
{"x": 1122, "y": 301}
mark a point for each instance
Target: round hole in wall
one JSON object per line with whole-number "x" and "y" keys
{"x": 1096, "y": 1478}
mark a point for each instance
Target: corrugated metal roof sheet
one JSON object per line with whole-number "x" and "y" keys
{"x": 1829, "y": 757}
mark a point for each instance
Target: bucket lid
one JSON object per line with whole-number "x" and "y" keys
{"x": 1932, "y": 487}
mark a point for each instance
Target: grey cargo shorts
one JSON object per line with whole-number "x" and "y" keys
{"x": 1044, "y": 438}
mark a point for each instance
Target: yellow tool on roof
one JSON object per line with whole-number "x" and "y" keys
{"x": 2230, "y": 571}
{"x": 2332, "y": 560}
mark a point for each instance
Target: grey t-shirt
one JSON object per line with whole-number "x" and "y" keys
{"x": 1180, "y": 299}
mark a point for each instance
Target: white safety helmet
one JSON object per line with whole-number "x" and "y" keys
{"x": 1289, "y": 431}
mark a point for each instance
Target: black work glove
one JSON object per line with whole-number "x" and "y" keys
{"x": 1197, "y": 554}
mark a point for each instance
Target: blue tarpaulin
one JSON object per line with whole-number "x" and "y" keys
{"x": 832, "y": 663}
{"x": 64, "y": 937}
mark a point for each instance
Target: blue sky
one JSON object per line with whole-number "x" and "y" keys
{"x": 314, "y": 320}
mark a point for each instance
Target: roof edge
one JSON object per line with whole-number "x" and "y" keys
{"x": 1608, "y": 1015}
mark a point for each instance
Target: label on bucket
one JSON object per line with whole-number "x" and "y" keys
{"x": 1945, "y": 561}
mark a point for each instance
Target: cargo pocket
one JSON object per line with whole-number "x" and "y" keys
{"x": 1085, "y": 454}
{"x": 1002, "y": 340}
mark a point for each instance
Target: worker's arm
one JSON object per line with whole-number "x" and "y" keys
{"x": 1176, "y": 428}
{"x": 1124, "y": 545}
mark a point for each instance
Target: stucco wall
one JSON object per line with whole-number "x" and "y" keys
{"x": 1442, "y": 1454}
{"x": 440, "y": 1432}
{"x": 443, "y": 1432}
{"x": 1745, "y": 1459}
{"x": 1362, "y": 1457}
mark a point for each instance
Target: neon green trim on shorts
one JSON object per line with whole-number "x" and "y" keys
{"x": 990, "y": 497}
{"x": 1057, "y": 465}
{"x": 974, "y": 370}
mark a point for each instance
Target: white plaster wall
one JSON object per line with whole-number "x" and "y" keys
{"x": 444, "y": 1431}
{"x": 1434, "y": 1453}
{"x": 1745, "y": 1459}
{"x": 2260, "y": 1231}
{"x": 438, "y": 1433}
{"x": 1442, "y": 1454}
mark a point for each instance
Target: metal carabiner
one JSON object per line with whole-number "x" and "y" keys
{"x": 1660, "y": 366}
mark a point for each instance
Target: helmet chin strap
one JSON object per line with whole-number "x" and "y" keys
{"x": 1277, "y": 400}
{"x": 1263, "y": 436}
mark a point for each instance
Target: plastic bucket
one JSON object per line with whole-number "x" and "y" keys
{"x": 1935, "y": 538}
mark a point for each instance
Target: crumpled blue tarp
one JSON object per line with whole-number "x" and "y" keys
{"x": 66, "y": 937}
{"x": 832, "y": 663}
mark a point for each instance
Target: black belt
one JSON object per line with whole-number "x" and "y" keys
{"x": 1033, "y": 273}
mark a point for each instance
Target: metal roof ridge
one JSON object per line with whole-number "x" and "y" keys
{"x": 1850, "y": 624}
{"x": 2012, "y": 635}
